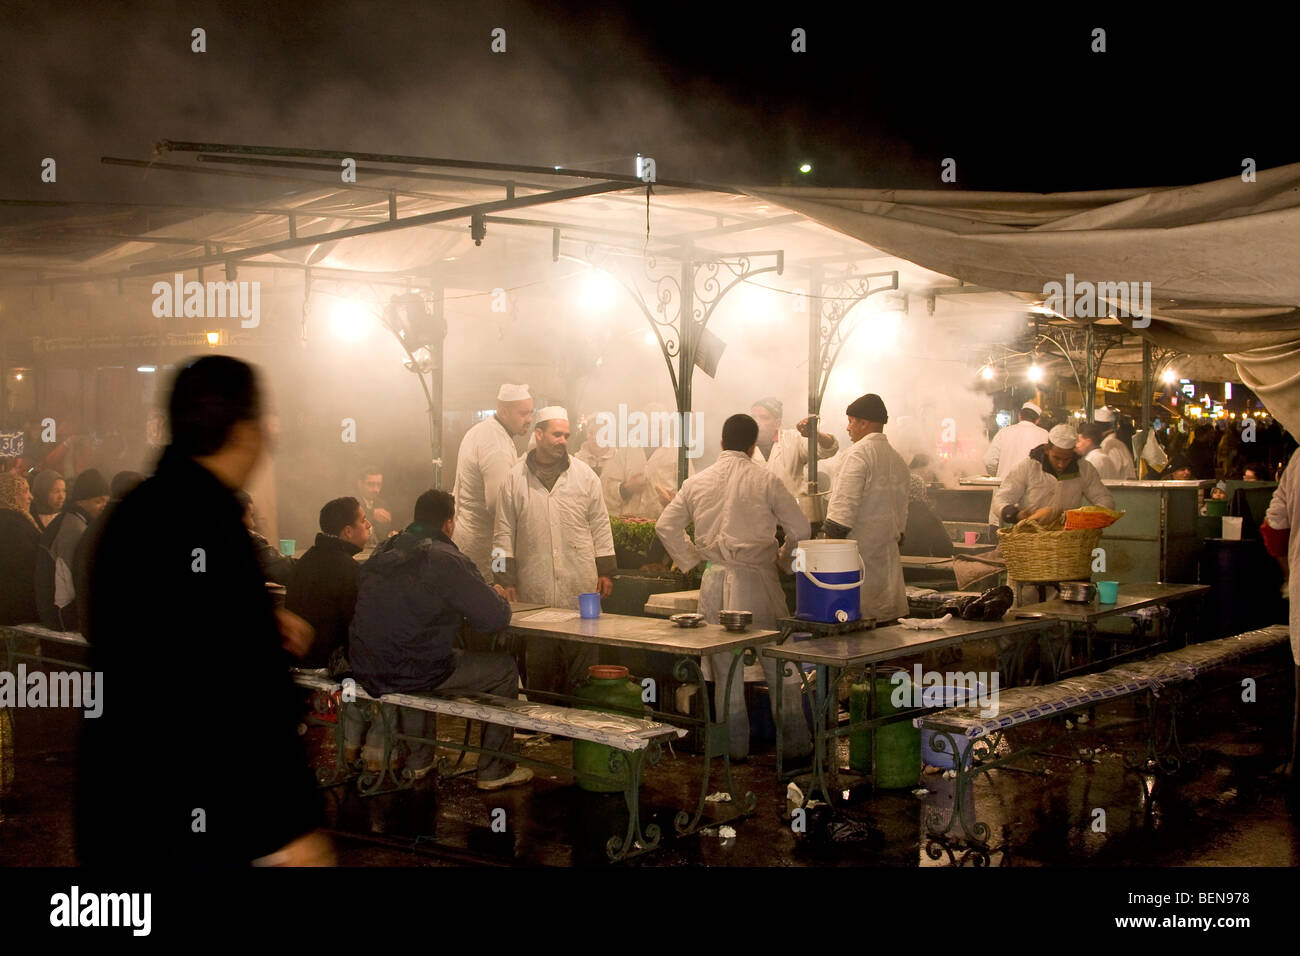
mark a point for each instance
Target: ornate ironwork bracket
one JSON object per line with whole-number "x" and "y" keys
{"x": 1087, "y": 345}
{"x": 677, "y": 304}
{"x": 834, "y": 298}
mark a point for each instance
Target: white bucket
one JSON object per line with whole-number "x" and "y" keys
{"x": 828, "y": 581}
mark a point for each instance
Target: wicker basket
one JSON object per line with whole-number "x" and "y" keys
{"x": 1035, "y": 553}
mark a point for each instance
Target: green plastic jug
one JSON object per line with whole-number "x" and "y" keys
{"x": 606, "y": 685}
{"x": 898, "y": 746}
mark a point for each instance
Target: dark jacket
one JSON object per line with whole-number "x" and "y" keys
{"x": 19, "y": 539}
{"x": 323, "y": 589}
{"x": 414, "y": 593}
{"x": 85, "y": 550}
{"x": 55, "y": 563}
{"x": 275, "y": 566}
{"x": 196, "y": 687}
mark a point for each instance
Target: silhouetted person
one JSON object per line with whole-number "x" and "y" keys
{"x": 179, "y": 616}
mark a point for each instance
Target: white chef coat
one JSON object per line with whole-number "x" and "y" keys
{"x": 487, "y": 453}
{"x": 1121, "y": 459}
{"x": 788, "y": 459}
{"x": 736, "y": 504}
{"x": 1029, "y": 488}
{"x": 1105, "y": 465}
{"x": 1284, "y": 512}
{"x": 870, "y": 498}
{"x": 1011, "y": 445}
{"x": 592, "y": 455}
{"x": 659, "y": 468}
{"x": 554, "y": 536}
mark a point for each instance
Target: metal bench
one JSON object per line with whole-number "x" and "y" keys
{"x": 12, "y": 632}
{"x": 974, "y": 739}
{"x": 633, "y": 742}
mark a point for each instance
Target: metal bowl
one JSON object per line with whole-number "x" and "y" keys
{"x": 1078, "y": 592}
{"x": 687, "y": 620}
{"x": 735, "y": 620}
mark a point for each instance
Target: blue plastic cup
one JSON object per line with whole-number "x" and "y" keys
{"x": 1108, "y": 592}
{"x": 589, "y": 605}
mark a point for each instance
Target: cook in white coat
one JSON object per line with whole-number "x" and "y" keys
{"x": 1013, "y": 443}
{"x": 1283, "y": 515}
{"x": 639, "y": 481}
{"x": 785, "y": 451}
{"x": 736, "y": 504}
{"x": 869, "y": 505}
{"x": 1088, "y": 447}
{"x": 1051, "y": 477}
{"x": 487, "y": 453}
{"x": 553, "y": 529}
{"x": 1120, "y": 456}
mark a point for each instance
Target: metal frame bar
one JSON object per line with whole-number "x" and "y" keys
{"x": 460, "y": 212}
{"x": 165, "y": 146}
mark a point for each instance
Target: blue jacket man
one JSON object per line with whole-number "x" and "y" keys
{"x": 414, "y": 594}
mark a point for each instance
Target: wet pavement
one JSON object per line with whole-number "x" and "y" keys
{"x": 1079, "y": 808}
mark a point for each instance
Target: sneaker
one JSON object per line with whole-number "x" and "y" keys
{"x": 518, "y": 776}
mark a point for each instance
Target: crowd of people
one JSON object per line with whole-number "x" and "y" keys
{"x": 1227, "y": 449}
{"x": 413, "y": 608}
{"x": 422, "y": 606}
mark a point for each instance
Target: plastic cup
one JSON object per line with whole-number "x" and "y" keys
{"x": 589, "y": 605}
{"x": 1107, "y": 592}
{"x": 972, "y": 537}
{"x": 1231, "y": 528}
{"x": 286, "y": 546}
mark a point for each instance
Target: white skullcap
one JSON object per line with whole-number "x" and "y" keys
{"x": 1104, "y": 414}
{"x": 1032, "y": 407}
{"x": 1063, "y": 436}
{"x": 513, "y": 393}
{"x": 550, "y": 413}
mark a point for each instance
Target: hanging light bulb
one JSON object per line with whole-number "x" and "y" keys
{"x": 1034, "y": 373}
{"x": 987, "y": 373}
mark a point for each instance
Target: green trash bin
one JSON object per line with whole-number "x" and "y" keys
{"x": 607, "y": 684}
{"x": 898, "y": 746}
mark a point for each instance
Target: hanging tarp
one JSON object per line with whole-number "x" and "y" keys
{"x": 1220, "y": 256}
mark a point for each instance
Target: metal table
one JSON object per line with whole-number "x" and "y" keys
{"x": 866, "y": 649}
{"x": 688, "y": 645}
{"x": 1083, "y": 618}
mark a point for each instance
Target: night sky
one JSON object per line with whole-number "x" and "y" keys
{"x": 715, "y": 93}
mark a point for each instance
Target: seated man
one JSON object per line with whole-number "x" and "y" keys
{"x": 414, "y": 594}
{"x": 275, "y": 566}
{"x": 323, "y": 585}
{"x": 323, "y": 590}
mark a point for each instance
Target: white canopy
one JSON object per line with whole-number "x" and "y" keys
{"x": 1219, "y": 256}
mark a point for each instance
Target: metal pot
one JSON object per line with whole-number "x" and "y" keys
{"x": 813, "y": 503}
{"x": 1078, "y": 592}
